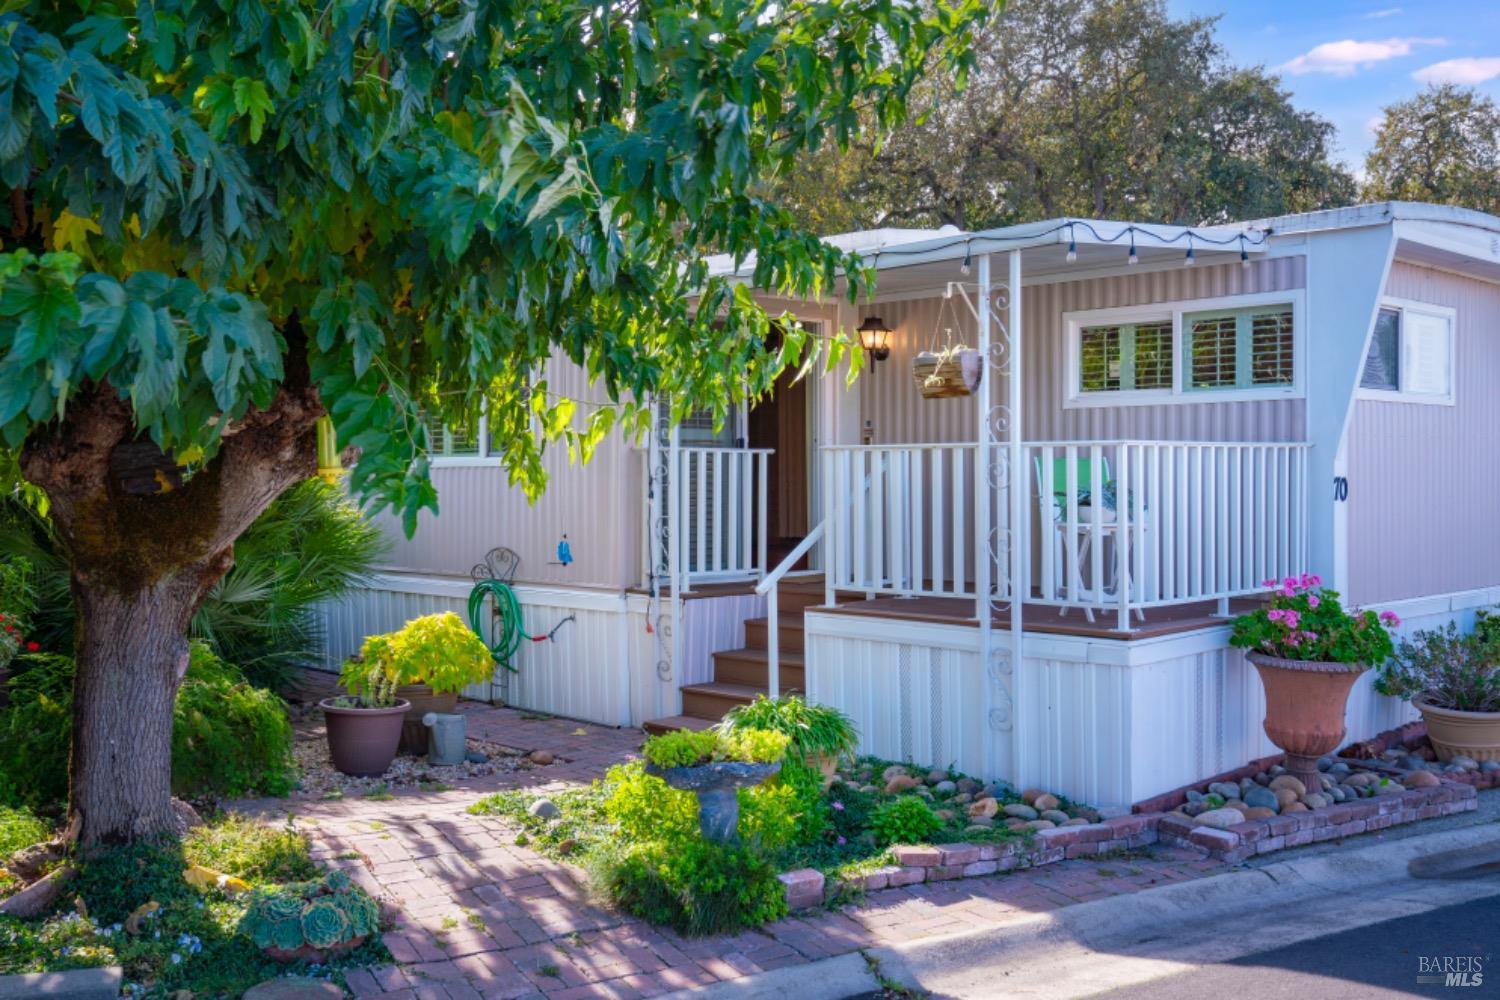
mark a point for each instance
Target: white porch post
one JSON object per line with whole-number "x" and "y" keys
{"x": 1020, "y": 523}
{"x": 983, "y": 459}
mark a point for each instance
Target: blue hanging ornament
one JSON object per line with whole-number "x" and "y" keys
{"x": 564, "y": 551}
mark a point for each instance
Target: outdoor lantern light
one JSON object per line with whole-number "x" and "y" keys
{"x": 874, "y": 336}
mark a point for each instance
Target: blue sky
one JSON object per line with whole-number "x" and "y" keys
{"x": 1347, "y": 59}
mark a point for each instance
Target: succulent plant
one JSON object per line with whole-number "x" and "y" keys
{"x": 325, "y": 924}
{"x": 322, "y": 914}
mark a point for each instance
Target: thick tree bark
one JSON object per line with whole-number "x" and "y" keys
{"x": 141, "y": 566}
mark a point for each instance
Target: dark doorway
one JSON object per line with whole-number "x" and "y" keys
{"x": 779, "y": 422}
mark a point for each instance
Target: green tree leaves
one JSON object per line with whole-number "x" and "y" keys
{"x": 1442, "y": 145}
{"x": 422, "y": 207}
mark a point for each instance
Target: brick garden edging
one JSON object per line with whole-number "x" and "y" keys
{"x": 807, "y": 887}
{"x": 1293, "y": 829}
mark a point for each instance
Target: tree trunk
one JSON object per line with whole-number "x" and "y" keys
{"x": 141, "y": 565}
{"x": 131, "y": 656}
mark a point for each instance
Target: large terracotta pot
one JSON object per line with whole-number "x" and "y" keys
{"x": 362, "y": 741}
{"x": 413, "y": 733}
{"x": 1455, "y": 733}
{"x": 1305, "y": 702}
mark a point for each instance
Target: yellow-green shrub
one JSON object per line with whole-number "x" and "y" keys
{"x": 437, "y": 650}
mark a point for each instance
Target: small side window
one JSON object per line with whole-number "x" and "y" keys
{"x": 1411, "y": 355}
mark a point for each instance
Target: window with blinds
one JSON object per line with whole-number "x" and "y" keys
{"x": 1240, "y": 348}
{"x": 453, "y": 442}
{"x": 1411, "y": 354}
{"x": 1127, "y": 356}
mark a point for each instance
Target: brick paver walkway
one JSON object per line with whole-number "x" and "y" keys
{"x": 477, "y": 916}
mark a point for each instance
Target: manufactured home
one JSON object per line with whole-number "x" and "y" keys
{"x": 1012, "y": 543}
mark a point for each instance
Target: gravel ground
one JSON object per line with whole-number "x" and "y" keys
{"x": 319, "y": 780}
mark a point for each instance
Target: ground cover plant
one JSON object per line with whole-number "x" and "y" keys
{"x": 132, "y": 906}
{"x": 638, "y": 838}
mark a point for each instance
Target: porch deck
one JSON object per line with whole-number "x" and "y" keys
{"x": 1045, "y": 619}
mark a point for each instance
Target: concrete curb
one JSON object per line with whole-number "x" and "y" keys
{"x": 78, "y": 984}
{"x": 1091, "y": 946}
{"x": 844, "y": 976}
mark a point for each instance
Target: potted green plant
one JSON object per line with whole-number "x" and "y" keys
{"x": 819, "y": 734}
{"x": 311, "y": 921}
{"x": 431, "y": 659}
{"x": 364, "y": 726}
{"x": 1309, "y": 651}
{"x": 713, "y": 765}
{"x": 1453, "y": 679}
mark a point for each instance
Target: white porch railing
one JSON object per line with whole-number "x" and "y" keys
{"x": 905, "y": 519}
{"x": 719, "y": 514}
{"x": 1179, "y": 522}
{"x": 1120, "y": 525}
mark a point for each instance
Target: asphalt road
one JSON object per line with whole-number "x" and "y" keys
{"x": 1370, "y": 963}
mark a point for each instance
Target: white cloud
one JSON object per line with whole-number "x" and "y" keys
{"x": 1346, "y": 57}
{"x": 1464, "y": 71}
{"x": 1376, "y": 15}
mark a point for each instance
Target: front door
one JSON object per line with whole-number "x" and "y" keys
{"x": 780, "y": 423}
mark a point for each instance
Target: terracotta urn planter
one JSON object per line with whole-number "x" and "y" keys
{"x": 414, "y": 735}
{"x": 1456, "y": 733}
{"x": 716, "y": 786}
{"x": 1305, "y": 701}
{"x": 362, "y": 741}
{"x": 307, "y": 953}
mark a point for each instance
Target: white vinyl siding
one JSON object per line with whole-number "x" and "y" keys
{"x": 1410, "y": 358}
{"x": 1239, "y": 347}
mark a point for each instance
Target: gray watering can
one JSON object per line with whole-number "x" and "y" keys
{"x": 446, "y": 746}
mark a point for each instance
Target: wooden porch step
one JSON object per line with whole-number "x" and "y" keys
{"x": 750, "y": 668}
{"x": 788, "y": 630}
{"x": 713, "y": 700}
{"x": 673, "y": 723}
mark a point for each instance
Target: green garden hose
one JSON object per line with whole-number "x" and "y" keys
{"x": 508, "y": 634}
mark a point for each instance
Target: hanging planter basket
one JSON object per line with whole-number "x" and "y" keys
{"x": 947, "y": 374}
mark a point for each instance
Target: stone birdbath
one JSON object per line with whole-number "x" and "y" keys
{"x": 716, "y": 785}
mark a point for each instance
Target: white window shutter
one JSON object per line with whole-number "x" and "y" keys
{"x": 1426, "y": 347}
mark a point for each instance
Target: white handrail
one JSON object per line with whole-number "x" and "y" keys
{"x": 770, "y": 586}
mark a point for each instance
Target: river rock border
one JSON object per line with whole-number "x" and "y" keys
{"x": 807, "y": 887}
{"x": 1346, "y": 819}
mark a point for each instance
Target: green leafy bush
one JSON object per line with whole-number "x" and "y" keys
{"x": 907, "y": 820}
{"x": 643, "y": 807}
{"x": 36, "y": 732}
{"x": 1450, "y": 668}
{"x": 19, "y": 829}
{"x": 437, "y": 650}
{"x": 229, "y": 738}
{"x": 328, "y": 914}
{"x": 814, "y": 730}
{"x": 689, "y": 748}
{"x": 693, "y": 886}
